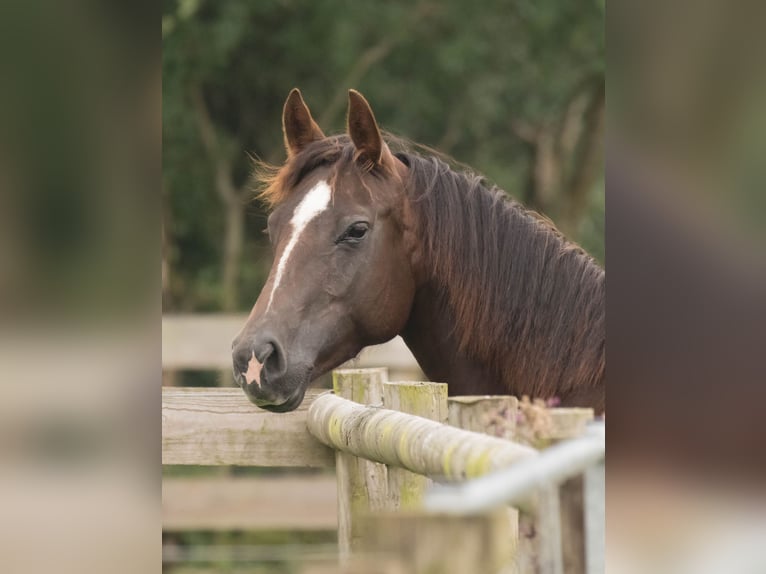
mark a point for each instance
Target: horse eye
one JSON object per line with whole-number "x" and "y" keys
{"x": 355, "y": 232}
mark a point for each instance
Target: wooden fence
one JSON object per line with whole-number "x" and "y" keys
{"x": 375, "y": 433}
{"x": 202, "y": 342}
{"x": 250, "y": 503}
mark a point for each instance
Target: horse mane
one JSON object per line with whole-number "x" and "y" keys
{"x": 526, "y": 302}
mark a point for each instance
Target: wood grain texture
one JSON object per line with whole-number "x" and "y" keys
{"x": 571, "y": 423}
{"x": 428, "y": 543}
{"x": 428, "y": 400}
{"x": 496, "y": 416}
{"x": 362, "y": 484}
{"x": 221, "y": 427}
{"x": 407, "y": 441}
{"x": 488, "y": 414}
{"x": 552, "y": 539}
{"x": 250, "y": 503}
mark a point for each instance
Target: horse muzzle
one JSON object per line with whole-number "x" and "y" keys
{"x": 261, "y": 369}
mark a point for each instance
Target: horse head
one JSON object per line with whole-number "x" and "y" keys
{"x": 342, "y": 276}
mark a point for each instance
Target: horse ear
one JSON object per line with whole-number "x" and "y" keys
{"x": 298, "y": 127}
{"x": 363, "y": 128}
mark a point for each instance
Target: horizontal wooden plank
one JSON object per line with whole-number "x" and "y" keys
{"x": 250, "y": 503}
{"x": 207, "y": 426}
{"x": 198, "y": 342}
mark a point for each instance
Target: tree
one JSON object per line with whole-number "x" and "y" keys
{"x": 515, "y": 90}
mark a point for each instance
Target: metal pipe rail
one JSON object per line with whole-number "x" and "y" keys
{"x": 533, "y": 481}
{"x": 512, "y": 485}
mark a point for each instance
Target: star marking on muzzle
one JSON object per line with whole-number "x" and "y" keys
{"x": 253, "y": 373}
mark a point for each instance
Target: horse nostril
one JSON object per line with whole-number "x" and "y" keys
{"x": 240, "y": 357}
{"x": 273, "y": 360}
{"x": 263, "y": 352}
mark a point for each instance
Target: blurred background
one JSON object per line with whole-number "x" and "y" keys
{"x": 686, "y": 311}
{"x": 86, "y": 100}
{"x": 515, "y": 90}
{"x": 80, "y": 145}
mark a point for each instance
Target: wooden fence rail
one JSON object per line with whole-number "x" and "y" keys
{"x": 226, "y": 503}
{"x": 215, "y": 426}
{"x": 373, "y": 449}
{"x": 221, "y": 427}
{"x": 407, "y": 441}
{"x": 367, "y": 434}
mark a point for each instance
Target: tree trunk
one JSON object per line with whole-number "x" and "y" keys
{"x": 232, "y": 254}
{"x": 233, "y": 208}
{"x": 565, "y": 160}
{"x": 547, "y": 170}
{"x": 586, "y": 165}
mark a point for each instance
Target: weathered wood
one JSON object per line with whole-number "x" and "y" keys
{"x": 547, "y": 536}
{"x": 595, "y": 479}
{"x": 496, "y": 416}
{"x": 571, "y": 423}
{"x": 203, "y": 341}
{"x": 552, "y": 536}
{"x": 221, "y": 427}
{"x": 241, "y": 558}
{"x": 407, "y": 441}
{"x": 572, "y": 517}
{"x": 358, "y": 565}
{"x": 428, "y": 400}
{"x": 540, "y": 426}
{"x": 428, "y": 543}
{"x": 488, "y": 414}
{"x": 362, "y": 485}
{"x": 250, "y": 503}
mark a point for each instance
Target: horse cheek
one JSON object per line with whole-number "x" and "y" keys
{"x": 391, "y": 306}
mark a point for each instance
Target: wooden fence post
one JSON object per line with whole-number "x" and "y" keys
{"x": 595, "y": 479}
{"x": 552, "y": 537}
{"x": 571, "y": 423}
{"x": 362, "y": 484}
{"x": 427, "y": 543}
{"x": 492, "y": 415}
{"x": 496, "y": 416}
{"x": 428, "y": 400}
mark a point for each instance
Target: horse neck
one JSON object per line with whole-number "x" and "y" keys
{"x": 519, "y": 347}
{"x": 430, "y": 333}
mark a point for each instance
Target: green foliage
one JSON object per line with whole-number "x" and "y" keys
{"x": 452, "y": 74}
{"x": 592, "y": 228}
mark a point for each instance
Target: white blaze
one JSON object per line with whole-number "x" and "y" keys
{"x": 313, "y": 203}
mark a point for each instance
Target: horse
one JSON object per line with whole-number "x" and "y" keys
{"x": 374, "y": 238}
